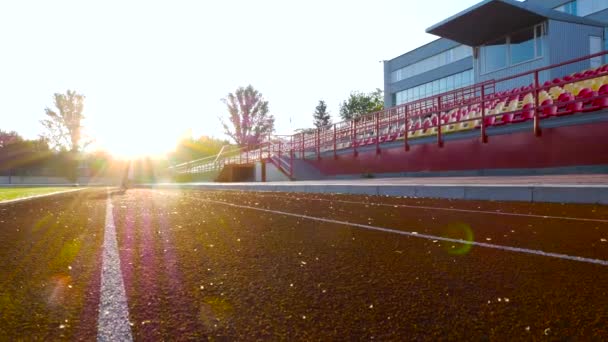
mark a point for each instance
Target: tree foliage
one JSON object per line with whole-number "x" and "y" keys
{"x": 20, "y": 156}
{"x": 321, "y": 116}
{"x": 8, "y": 138}
{"x": 359, "y": 103}
{"x": 64, "y": 125}
{"x": 249, "y": 121}
{"x": 189, "y": 149}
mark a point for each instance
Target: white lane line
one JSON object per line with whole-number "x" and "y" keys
{"x": 113, "y": 320}
{"x": 445, "y": 209}
{"x": 417, "y": 235}
{"x": 21, "y": 199}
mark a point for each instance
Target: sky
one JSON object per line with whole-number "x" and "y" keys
{"x": 154, "y": 71}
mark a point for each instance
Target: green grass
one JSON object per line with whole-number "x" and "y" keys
{"x": 13, "y": 193}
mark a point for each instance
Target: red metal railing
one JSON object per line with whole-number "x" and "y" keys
{"x": 473, "y": 107}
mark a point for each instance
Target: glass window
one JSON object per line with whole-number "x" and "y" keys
{"x": 522, "y": 46}
{"x": 569, "y": 8}
{"x": 538, "y": 33}
{"x": 587, "y": 7}
{"x": 466, "y": 79}
{"x": 494, "y": 55}
{"x": 435, "y": 87}
{"x": 595, "y": 46}
{"x": 457, "y": 80}
{"x": 432, "y": 62}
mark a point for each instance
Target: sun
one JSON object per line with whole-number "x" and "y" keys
{"x": 138, "y": 143}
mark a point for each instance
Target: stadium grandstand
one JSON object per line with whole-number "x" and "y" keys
{"x": 509, "y": 88}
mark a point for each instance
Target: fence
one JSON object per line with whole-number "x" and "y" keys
{"x": 478, "y": 106}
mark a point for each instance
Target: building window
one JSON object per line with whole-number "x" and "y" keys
{"x": 583, "y": 8}
{"x": 569, "y": 8}
{"x": 435, "y": 87}
{"x": 587, "y": 7}
{"x": 595, "y": 46}
{"x": 446, "y": 57}
{"x": 494, "y": 55}
{"x": 517, "y": 48}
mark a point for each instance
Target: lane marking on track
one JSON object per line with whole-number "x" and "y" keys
{"x": 413, "y": 234}
{"x": 113, "y": 319}
{"x": 444, "y": 209}
{"x": 21, "y": 199}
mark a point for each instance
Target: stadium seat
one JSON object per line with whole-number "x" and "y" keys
{"x": 569, "y": 108}
{"x": 548, "y": 108}
{"x": 505, "y": 119}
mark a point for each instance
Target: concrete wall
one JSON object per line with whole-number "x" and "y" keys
{"x": 273, "y": 174}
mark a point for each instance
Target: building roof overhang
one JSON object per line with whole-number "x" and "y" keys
{"x": 492, "y": 19}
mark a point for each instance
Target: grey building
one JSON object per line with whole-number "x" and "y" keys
{"x": 496, "y": 39}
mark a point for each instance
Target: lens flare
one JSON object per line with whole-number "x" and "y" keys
{"x": 458, "y": 231}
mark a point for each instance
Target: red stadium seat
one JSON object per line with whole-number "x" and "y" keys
{"x": 526, "y": 114}
{"x": 505, "y": 119}
{"x": 569, "y": 108}
{"x": 548, "y": 108}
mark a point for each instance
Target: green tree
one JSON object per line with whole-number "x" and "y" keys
{"x": 249, "y": 121}
{"x": 359, "y": 103}
{"x": 321, "y": 116}
{"x": 188, "y": 149}
{"x": 64, "y": 128}
{"x": 8, "y": 137}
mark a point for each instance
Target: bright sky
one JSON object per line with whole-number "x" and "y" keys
{"x": 152, "y": 70}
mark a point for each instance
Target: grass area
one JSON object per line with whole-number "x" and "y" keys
{"x": 13, "y": 193}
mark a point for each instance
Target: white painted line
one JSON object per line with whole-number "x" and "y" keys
{"x": 21, "y": 199}
{"x": 488, "y": 212}
{"x": 417, "y": 235}
{"x": 113, "y": 320}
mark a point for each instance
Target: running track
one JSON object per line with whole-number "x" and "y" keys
{"x": 210, "y": 264}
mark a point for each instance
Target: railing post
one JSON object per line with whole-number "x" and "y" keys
{"x": 302, "y": 145}
{"x": 377, "y": 132}
{"x": 537, "y": 131}
{"x": 318, "y": 144}
{"x": 406, "y": 146}
{"x": 439, "y": 137}
{"x": 247, "y": 155}
{"x": 484, "y": 137}
{"x": 279, "y": 152}
{"x": 354, "y": 134}
{"x": 335, "y": 154}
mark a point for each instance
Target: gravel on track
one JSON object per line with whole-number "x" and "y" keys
{"x": 204, "y": 270}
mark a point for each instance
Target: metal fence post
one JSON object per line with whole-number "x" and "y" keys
{"x": 354, "y": 132}
{"x": 302, "y": 145}
{"x": 377, "y": 132}
{"x": 484, "y": 137}
{"x": 439, "y": 137}
{"x": 537, "y": 131}
{"x": 406, "y": 146}
{"x": 335, "y": 154}
{"x": 318, "y": 144}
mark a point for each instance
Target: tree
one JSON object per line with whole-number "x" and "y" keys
{"x": 188, "y": 149}
{"x": 248, "y": 118}
{"x": 8, "y": 138}
{"x": 64, "y": 125}
{"x": 359, "y": 103}
{"x": 321, "y": 116}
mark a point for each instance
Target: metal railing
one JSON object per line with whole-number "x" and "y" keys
{"x": 473, "y": 107}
